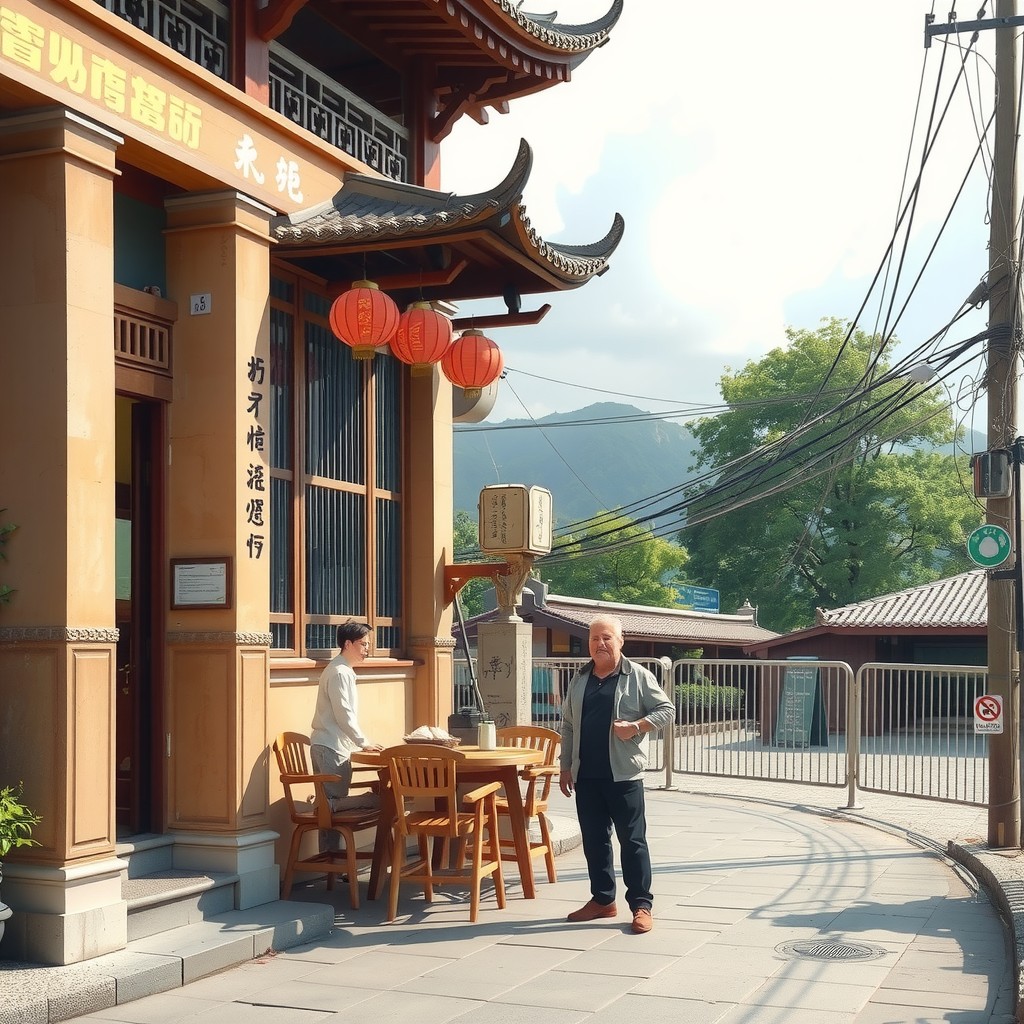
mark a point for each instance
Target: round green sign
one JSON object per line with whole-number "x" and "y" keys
{"x": 989, "y": 546}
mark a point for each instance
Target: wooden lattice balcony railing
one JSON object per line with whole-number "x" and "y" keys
{"x": 143, "y": 340}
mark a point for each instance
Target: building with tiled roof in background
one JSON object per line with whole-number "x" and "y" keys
{"x": 561, "y": 627}
{"x": 944, "y": 622}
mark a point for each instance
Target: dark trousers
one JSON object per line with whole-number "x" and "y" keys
{"x": 600, "y": 806}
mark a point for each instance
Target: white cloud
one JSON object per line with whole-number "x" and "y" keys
{"x": 758, "y": 157}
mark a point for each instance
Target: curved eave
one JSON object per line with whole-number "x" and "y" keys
{"x": 578, "y": 40}
{"x": 472, "y": 54}
{"x": 572, "y": 262}
{"x": 412, "y": 229}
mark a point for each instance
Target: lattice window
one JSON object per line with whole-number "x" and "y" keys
{"x": 309, "y": 98}
{"x": 336, "y": 480}
{"x": 199, "y": 31}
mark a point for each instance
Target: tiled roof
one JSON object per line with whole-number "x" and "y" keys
{"x": 573, "y": 38}
{"x": 370, "y": 213}
{"x": 640, "y": 622}
{"x": 954, "y": 602}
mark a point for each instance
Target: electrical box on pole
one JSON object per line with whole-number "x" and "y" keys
{"x": 993, "y": 476}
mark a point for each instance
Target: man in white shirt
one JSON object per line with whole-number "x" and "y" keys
{"x": 335, "y": 730}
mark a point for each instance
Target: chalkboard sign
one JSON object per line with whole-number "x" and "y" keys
{"x": 801, "y": 721}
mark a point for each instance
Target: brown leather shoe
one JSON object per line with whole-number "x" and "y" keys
{"x": 591, "y": 911}
{"x": 642, "y": 920}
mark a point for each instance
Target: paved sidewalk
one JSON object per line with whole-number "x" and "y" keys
{"x": 770, "y": 909}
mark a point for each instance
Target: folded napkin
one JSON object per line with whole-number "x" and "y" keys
{"x": 429, "y": 732}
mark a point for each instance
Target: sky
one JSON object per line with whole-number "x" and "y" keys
{"x": 757, "y": 153}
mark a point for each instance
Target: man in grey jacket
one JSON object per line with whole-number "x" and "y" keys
{"x": 609, "y": 708}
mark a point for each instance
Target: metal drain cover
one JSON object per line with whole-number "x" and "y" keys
{"x": 835, "y": 949}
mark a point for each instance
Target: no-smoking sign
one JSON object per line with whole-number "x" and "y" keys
{"x": 988, "y": 713}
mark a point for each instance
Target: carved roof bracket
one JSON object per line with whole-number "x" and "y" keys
{"x": 274, "y": 16}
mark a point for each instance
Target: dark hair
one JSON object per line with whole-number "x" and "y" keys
{"x": 354, "y": 631}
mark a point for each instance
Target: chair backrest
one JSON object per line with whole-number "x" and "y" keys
{"x": 535, "y": 737}
{"x": 420, "y": 771}
{"x": 292, "y": 752}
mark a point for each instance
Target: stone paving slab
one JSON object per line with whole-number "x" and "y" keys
{"x": 886, "y": 893}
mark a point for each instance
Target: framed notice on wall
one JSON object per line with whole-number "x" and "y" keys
{"x": 200, "y": 583}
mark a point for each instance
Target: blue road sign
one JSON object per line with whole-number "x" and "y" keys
{"x": 697, "y": 599}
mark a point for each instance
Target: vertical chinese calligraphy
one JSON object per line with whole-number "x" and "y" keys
{"x": 255, "y": 437}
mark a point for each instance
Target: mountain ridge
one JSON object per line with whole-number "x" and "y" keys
{"x": 604, "y": 456}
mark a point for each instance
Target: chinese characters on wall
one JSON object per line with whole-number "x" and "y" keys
{"x": 255, "y": 437}
{"x": 103, "y": 80}
{"x": 286, "y": 172}
{"x": 113, "y": 83}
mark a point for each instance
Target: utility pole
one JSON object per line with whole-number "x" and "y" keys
{"x": 1004, "y": 784}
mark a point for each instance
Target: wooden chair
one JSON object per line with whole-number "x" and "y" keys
{"x": 292, "y": 752}
{"x": 425, "y": 775}
{"x": 538, "y": 779}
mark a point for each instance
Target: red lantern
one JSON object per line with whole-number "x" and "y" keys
{"x": 422, "y": 338}
{"x": 364, "y": 318}
{"x": 473, "y": 362}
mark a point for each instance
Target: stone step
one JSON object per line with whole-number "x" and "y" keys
{"x": 235, "y": 937}
{"x": 158, "y": 963}
{"x": 166, "y": 900}
{"x": 146, "y": 853}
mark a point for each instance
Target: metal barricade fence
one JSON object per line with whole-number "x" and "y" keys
{"x": 917, "y": 734}
{"x": 778, "y": 720}
{"x": 891, "y": 728}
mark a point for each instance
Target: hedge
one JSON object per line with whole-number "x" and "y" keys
{"x": 709, "y": 698}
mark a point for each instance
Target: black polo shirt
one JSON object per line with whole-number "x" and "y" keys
{"x": 596, "y": 726}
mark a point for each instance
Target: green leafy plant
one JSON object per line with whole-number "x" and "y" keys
{"x": 5, "y": 530}
{"x": 710, "y": 700}
{"x": 16, "y": 821}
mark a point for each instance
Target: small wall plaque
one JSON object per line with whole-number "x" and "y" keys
{"x": 200, "y": 582}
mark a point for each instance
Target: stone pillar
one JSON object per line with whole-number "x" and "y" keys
{"x": 428, "y": 440}
{"x": 504, "y": 667}
{"x": 218, "y": 502}
{"x": 57, "y": 634}
{"x": 505, "y": 650}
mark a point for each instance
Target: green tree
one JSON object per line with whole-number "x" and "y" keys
{"x": 628, "y": 566}
{"x": 833, "y": 497}
{"x": 466, "y": 541}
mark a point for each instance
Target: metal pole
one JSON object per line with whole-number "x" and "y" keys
{"x": 668, "y": 742}
{"x": 1001, "y": 385}
{"x": 477, "y": 695}
{"x": 854, "y": 688}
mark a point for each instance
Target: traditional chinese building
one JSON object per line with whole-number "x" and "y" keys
{"x": 204, "y": 481}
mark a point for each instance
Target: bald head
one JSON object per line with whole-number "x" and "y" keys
{"x": 606, "y": 643}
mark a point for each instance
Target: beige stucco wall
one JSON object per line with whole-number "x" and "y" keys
{"x": 385, "y": 697}
{"x": 56, "y": 297}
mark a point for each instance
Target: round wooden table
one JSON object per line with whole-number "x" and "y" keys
{"x": 502, "y": 764}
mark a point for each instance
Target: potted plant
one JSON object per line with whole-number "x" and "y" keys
{"x": 16, "y": 824}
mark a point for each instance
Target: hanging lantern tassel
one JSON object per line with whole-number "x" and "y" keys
{"x": 364, "y": 318}
{"x": 473, "y": 362}
{"x": 422, "y": 338}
